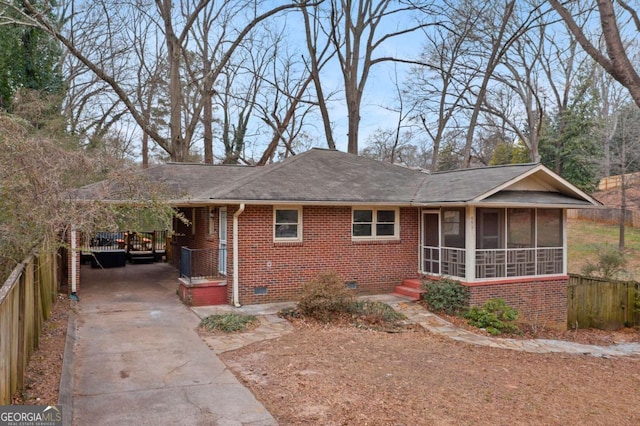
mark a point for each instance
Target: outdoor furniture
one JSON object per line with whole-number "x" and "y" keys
{"x": 109, "y": 259}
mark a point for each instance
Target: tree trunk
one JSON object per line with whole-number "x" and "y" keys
{"x": 623, "y": 200}
{"x": 175, "y": 90}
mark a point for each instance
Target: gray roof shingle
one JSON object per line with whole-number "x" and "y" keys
{"x": 467, "y": 184}
{"x": 334, "y": 177}
{"x": 321, "y": 175}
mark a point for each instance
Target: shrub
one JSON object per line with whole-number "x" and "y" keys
{"x": 446, "y": 295}
{"x": 495, "y": 316}
{"x": 609, "y": 264}
{"x": 378, "y": 313}
{"x": 228, "y": 323}
{"x": 325, "y": 296}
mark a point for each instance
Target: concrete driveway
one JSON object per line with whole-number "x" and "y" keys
{"x": 138, "y": 359}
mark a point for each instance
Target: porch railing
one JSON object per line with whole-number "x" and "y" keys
{"x": 495, "y": 263}
{"x": 142, "y": 241}
{"x": 519, "y": 262}
{"x": 198, "y": 263}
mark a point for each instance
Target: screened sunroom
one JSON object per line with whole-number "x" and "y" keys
{"x": 476, "y": 243}
{"x": 474, "y": 231}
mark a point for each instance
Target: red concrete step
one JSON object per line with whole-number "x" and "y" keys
{"x": 413, "y": 283}
{"x": 411, "y": 288}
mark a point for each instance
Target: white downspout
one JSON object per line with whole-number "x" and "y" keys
{"x": 236, "y": 293}
{"x": 74, "y": 263}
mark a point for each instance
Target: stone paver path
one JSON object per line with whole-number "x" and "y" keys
{"x": 416, "y": 313}
{"x": 273, "y": 326}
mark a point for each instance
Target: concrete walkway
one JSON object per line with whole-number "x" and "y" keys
{"x": 138, "y": 359}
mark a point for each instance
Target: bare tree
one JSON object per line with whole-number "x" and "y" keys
{"x": 625, "y": 156}
{"x": 438, "y": 85}
{"x": 177, "y": 24}
{"x": 356, "y": 30}
{"x": 236, "y": 96}
{"x": 319, "y": 55}
{"x": 287, "y": 103}
{"x": 614, "y": 18}
{"x": 520, "y": 74}
{"x": 614, "y": 97}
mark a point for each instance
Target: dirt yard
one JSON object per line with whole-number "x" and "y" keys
{"x": 42, "y": 378}
{"x": 348, "y": 376}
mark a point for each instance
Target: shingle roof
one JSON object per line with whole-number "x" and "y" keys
{"x": 334, "y": 177}
{"x": 321, "y": 175}
{"x": 467, "y": 184}
{"x": 184, "y": 182}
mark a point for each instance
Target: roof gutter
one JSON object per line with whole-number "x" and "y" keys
{"x": 236, "y": 293}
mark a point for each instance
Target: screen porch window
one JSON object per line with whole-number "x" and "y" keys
{"x": 452, "y": 260}
{"x": 287, "y": 224}
{"x": 519, "y": 242}
{"x": 374, "y": 223}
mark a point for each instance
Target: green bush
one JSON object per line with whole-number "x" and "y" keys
{"x": 446, "y": 295}
{"x": 228, "y": 323}
{"x": 609, "y": 264}
{"x": 378, "y": 313}
{"x": 495, "y": 316}
{"x": 324, "y": 297}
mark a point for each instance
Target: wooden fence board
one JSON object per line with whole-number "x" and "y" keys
{"x": 600, "y": 303}
{"x": 26, "y": 300}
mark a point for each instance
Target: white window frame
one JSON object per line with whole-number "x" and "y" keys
{"x": 298, "y": 236}
{"x": 374, "y": 213}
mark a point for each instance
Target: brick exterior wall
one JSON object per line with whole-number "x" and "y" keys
{"x": 281, "y": 268}
{"x": 539, "y": 301}
{"x": 375, "y": 266}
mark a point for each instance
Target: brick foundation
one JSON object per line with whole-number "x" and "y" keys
{"x": 539, "y": 301}
{"x": 203, "y": 293}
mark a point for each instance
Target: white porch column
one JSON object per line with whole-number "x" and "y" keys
{"x": 564, "y": 241}
{"x": 470, "y": 243}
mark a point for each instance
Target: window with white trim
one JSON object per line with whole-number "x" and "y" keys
{"x": 373, "y": 223}
{"x": 287, "y": 224}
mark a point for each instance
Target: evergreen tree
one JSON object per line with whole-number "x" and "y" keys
{"x": 505, "y": 153}
{"x": 569, "y": 142}
{"x": 29, "y": 59}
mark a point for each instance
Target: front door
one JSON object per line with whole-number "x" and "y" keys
{"x": 431, "y": 242}
{"x": 222, "y": 241}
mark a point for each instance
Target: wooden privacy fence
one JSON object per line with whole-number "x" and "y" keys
{"x": 26, "y": 299}
{"x": 600, "y": 303}
{"x": 606, "y": 215}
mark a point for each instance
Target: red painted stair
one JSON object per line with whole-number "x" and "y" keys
{"x": 410, "y": 288}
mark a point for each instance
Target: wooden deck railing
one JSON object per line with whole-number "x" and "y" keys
{"x": 26, "y": 299}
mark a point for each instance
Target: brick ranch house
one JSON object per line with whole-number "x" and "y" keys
{"x": 500, "y": 231}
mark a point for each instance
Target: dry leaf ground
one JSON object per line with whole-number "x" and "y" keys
{"x": 42, "y": 378}
{"x": 347, "y": 376}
